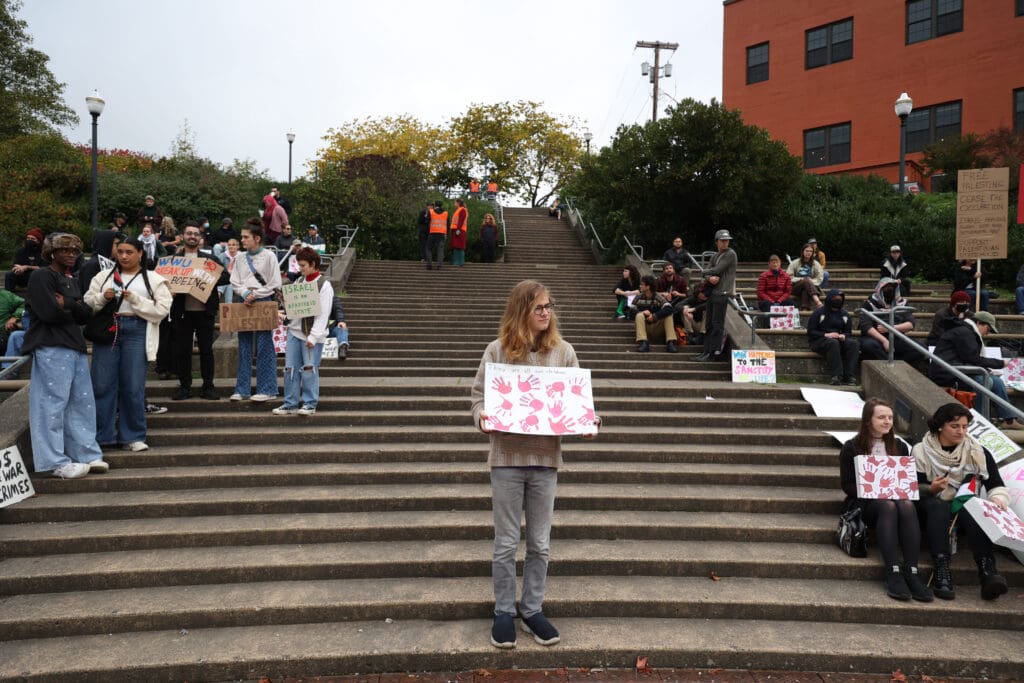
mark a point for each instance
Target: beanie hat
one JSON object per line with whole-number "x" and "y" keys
{"x": 35, "y": 232}
{"x": 959, "y": 297}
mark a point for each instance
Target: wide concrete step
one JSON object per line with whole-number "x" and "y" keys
{"x": 280, "y": 651}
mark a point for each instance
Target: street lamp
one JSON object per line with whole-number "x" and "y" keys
{"x": 291, "y": 138}
{"x": 904, "y": 105}
{"x": 95, "y": 104}
{"x": 588, "y": 136}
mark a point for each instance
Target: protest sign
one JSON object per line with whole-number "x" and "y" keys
{"x": 989, "y": 436}
{"x": 789, "y": 321}
{"x": 280, "y": 338}
{"x": 539, "y": 400}
{"x": 982, "y": 203}
{"x": 14, "y": 482}
{"x": 833, "y": 403}
{"x": 190, "y": 275}
{"x": 330, "y": 350}
{"x": 886, "y": 477}
{"x": 1003, "y": 527}
{"x": 1013, "y": 477}
{"x": 301, "y": 300}
{"x": 261, "y": 316}
{"x": 753, "y": 366}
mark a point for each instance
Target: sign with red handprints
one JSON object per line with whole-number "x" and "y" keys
{"x": 1003, "y": 527}
{"x": 886, "y": 477}
{"x": 524, "y": 399}
{"x": 789, "y": 321}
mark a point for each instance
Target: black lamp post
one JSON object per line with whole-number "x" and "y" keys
{"x": 95, "y": 104}
{"x": 588, "y": 136}
{"x": 904, "y": 105}
{"x": 291, "y": 138}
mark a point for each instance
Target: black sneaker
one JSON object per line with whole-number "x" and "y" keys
{"x": 181, "y": 394}
{"x": 850, "y": 381}
{"x": 918, "y": 590}
{"x": 835, "y": 381}
{"x": 342, "y": 351}
{"x": 895, "y": 586}
{"x": 643, "y": 347}
{"x": 503, "y": 632}
{"x": 541, "y": 629}
{"x": 209, "y": 394}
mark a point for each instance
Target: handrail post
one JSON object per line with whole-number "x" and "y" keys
{"x": 892, "y": 338}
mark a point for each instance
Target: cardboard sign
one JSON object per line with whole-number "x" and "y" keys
{"x": 14, "y": 482}
{"x": 261, "y": 316}
{"x": 789, "y": 321}
{"x": 525, "y": 399}
{"x": 886, "y": 477}
{"x": 301, "y": 300}
{"x": 989, "y": 436}
{"x": 753, "y": 366}
{"x": 280, "y": 338}
{"x": 190, "y": 275}
{"x": 982, "y": 204}
{"x": 1003, "y": 527}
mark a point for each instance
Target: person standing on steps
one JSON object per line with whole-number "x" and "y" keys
{"x": 423, "y": 224}
{"x": 488, "y": 238}
{"x": 721, "y": 274}
{"x": 438, "y": 230}
{"x": 524, "y": 468}
{"x": 460, "y": 223}
{"x": 255, "y": 276}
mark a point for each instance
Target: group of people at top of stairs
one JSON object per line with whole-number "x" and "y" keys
{"x": 947, "y": 459}
{"x": 490, "y": 187}
{"x": 435, "y": 226}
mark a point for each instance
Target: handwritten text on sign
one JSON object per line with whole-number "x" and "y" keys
{"x": 14, "y": 482}
{"x": 260, "y": 316}
{"x": 753, "y": 366}
{"x": 525, "y": 399}
{"x": 188, "y": 275}
{"x": 982, "y": 203}
{"x": 886, "y": 477}
{"x": 1003, "y": 527}
{"x": 301, "y": 300}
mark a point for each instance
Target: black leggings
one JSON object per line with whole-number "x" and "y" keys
{"x": 937, "y": 518}
{"x": 896, "y": 526}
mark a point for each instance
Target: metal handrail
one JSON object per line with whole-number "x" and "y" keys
{"x": 747, "y": 313}
{"x": 633, "y": 248}
{"x": 955, "y": 370}
{"x": 500, "y": 210}
{"x": 15, "y": 363}
{"x": 580, "y": 219}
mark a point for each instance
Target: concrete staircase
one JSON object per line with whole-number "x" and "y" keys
{"x": 696, "y": 530}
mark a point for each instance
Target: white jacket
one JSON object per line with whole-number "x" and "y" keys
{"x": 151, "y": 310}
{"x": 318, "y": 333}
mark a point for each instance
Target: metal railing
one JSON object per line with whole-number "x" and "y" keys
{"x": 750, "y": 315}
{"x": 16, "y": 362}
{"x": 957, "y": 371}
{"x": 500, "y": 210}
{"x": 637, "y": 249}
{"x": 587, "y": 226}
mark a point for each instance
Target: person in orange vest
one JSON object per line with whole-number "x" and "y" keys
{"x": 460, "y": 220}
{"x": 435, "y": 238}
{"x": 492, "y": 189}
{"x": 474, "y": 189}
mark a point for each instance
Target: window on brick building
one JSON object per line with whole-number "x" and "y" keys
{"x": 828, "y": 44}
{"x": 1018, "y": 109}
{"x": 757, "y": 63}
{"x": 1019, "y": 7}
{"x": 827, "y": 146}
{"x": 932, "y": 124}
{"x": 927, "y": 19}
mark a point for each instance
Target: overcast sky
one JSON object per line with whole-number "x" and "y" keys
{"x": 245, "y": 72}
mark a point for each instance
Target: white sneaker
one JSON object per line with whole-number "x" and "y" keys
{"x": 136, "y": 446}
{"x": 72, "y": 470}
{"x": 284, "y": 411}
{"x": 153, "y": 409}
{"x": 238, "y": 397}
{"x": 306, "y": 410}
{"x": 261, "y": 398}
{"x": 99, "y": 466}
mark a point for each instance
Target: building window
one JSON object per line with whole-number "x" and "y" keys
{"x": 757, "y": 63}
{"x": 932, "y": 124}
{"x": 1019, "y": 7}
{"x": 827, "y": 146}
{"x": 928, "y": 19}
{"x": 828, "y": 44}
{"x": 1018, "y": 109}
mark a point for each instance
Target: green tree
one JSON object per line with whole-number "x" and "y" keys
{"x": 1000, "y": 147}
{"x": 31, "y": 99}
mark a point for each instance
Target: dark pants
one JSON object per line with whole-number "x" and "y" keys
{"x": 165, "y": 352}
{"x": 488, "y": 250}
{"x": 714, "y": 338}
{"x": 896, "y": 526}
{"x": 435, "y": 245}
{"x": 200, "y": 325}
{"x": 12, "y": 281}
{"x": 841, "y": 356}
{"x": 936, "y": 516}
{"x": 424, "y": 254}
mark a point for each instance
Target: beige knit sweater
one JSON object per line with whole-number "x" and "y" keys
{"x": 521, "y": 450}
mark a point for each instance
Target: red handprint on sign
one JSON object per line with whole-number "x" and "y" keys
{"x": 505, "y": 408}
{"x": 556, "y": 408}
{"x": 529, "y": 424}
{"x": 577, "y": 386}
{"x": 556, "y": 388}
{"x": 563, "y": 426}
{"x": 534, "y": 404}
{"x": 529, "y": 384}
{"x": 588, "y": 416}
{"x": 498, "y": 425}
{"x": 501, "y": 386}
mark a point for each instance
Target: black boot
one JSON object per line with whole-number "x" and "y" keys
{"x": 895, "y": 586}
{"x": 992, "y": 585}
{"x": 918, "y": 590}
{"x": 942, "y": 578}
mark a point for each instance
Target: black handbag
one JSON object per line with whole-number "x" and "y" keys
{"x": 101, "y": 327}
{"x": 852, "y": 533}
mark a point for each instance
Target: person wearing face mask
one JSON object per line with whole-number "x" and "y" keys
{"x": 26, "y": 260}
{"x": 774, "y": 287}
{"x": 958, "y": 309}
{"x": 830, "y": 333}
{"x": 874, "y": 338}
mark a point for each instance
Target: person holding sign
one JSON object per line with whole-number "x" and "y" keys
{"x": 947, "y": 458}
{"x": 306, "y": 337}
{"x": 895, "y": 521}
{"x": 141, "y": 300}
{"x": 968, "y": 278}
{"x": 524, "y": 468}
{"x": 774, "y": 287}
{"x": 255, "y": 276}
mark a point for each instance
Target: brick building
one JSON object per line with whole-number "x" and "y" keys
{"x": 823, "y": 76}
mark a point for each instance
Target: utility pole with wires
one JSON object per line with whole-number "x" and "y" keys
{"x": 656, "y": 72}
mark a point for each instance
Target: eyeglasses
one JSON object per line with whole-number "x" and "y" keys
{"x": 71, "y": 250}
{"x": 545, "y": 309}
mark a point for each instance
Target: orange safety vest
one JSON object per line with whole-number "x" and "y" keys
{"x": 463, "y": 213}
{"x": 438, "y": 222}
{"x": 492, "y": 187}
{"x": 474, "y": 186}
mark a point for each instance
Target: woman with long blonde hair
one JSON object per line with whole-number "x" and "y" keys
{"x": 488, "y": 238}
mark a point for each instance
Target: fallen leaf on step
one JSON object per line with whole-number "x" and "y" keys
{"x": 714, "y": 577}
{"x": 562, "y": 672}
{"x": 927, "y": 679}
{"x": 898, "y": 677}
{"x": 483, "y": 672}
{"x": 583, "y": 670}
{"x": 715, "y": 671}
{"x": 642, "y": 666}
{"x": 265, "y": 680}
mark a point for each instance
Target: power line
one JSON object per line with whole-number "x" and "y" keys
{"x": 615, "y": 97}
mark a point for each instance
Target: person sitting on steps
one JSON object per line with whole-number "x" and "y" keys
{"x": 653, "y": 317}
{"x": 830, "y": 333}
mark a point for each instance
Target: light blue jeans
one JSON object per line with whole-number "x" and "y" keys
{"x": 515, "y": 490}
{"x": 62, "y": 413}
{"x": 119, "y": 381}
{"x": 341, "y": 334}
{"x": 266, "y": 363}
{"x": 301, "y": 373}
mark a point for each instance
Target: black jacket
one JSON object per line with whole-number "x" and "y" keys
{"x": 961, "y": 344}
{"x": 825, "y": 319}
{"x": 848, "y": 472}
{"x": 52, "y": 325}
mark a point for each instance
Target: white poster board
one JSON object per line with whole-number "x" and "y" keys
{"x": 833, "y": 403}
{"x": 886, "y": 477}
{"x": 526, "y": 399}
{"x": 280, "y": 338}
{"x": 15, "y": 484}
{"x": 789, "y": 321}
{"x": 989, "y": 436}
{"x": 753, "y": 365}
{"x": 1003, "y": 527}
{"x": 330, "y": 350}
{"x": 1013, "y": 477}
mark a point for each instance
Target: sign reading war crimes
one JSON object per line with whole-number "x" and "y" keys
{"x": 301, "y": 300}
{"x": 190, "y": 275}
{"x": 14, "y": 482}
{"x": 260, "y": 316}
{"x": 982, "y": 203}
